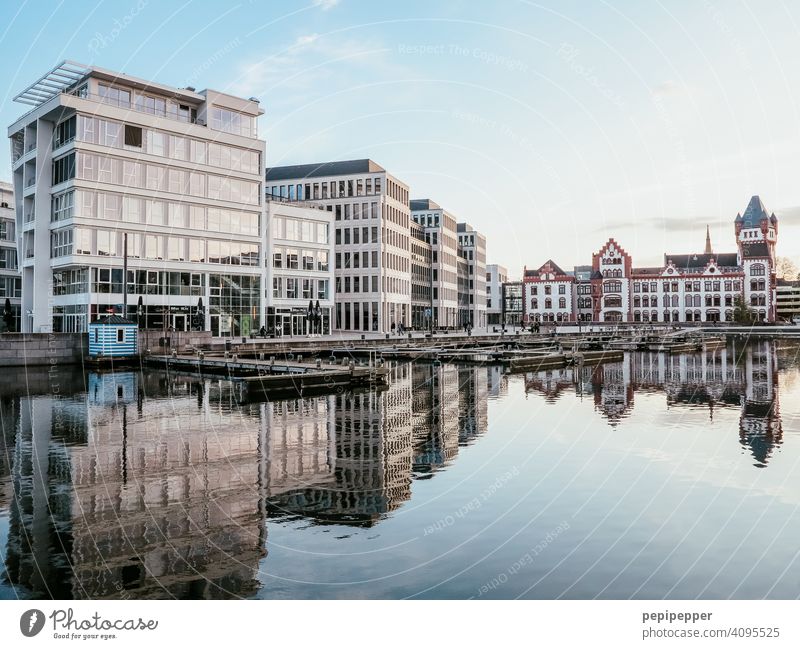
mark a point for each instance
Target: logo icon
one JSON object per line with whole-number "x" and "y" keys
{"x": 31, "y": 622}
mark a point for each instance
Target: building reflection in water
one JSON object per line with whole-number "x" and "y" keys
{"x": 743, "y": 377}
{"x": 151, "y": 485}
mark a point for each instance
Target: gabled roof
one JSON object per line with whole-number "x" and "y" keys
{"x": 754, "y": 213}
{"x": 697, "y": 261}
{"x": 318, "y": 169}
{"x": 553, "y": 268}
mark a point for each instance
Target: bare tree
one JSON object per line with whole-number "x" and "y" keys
{"x": 785, "y": 268}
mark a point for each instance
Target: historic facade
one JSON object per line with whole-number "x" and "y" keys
{"x": 698, "y": 287}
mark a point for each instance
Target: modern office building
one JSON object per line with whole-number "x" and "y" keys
{"x": 10, "y": 282}
{"x": 299, "y": 258}
{"x": 104, "y": 157}
{"x": 496, "y": 276}
{"x": 441, "y": 232}
{"x": 513, "y": 304}
{"x": 422, "y": 284}
{"x": 472, "y": 248}
{"x": 372, "y": 237}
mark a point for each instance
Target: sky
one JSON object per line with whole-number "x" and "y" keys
{"x": 549, "y": 126}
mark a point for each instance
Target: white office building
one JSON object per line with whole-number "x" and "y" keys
{"x": 440, "y": 232}
{"x": 372, "y": 237}
{"x": 472, "y": 248}
{"x": 10, "y": 283}
{"x": 496, "y": 276}
{"x": 300, "y": 278}
{"x": 101, "y": 155}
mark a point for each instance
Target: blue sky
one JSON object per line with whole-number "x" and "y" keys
{"x": 550, "y": 126}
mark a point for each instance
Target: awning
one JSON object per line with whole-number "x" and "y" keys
{"x": 61, "y": 77}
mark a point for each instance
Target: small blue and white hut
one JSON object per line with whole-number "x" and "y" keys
{"x": 112, "y": 336}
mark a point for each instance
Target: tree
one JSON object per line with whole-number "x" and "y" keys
{"x": 785, "y": 268}
{"x": 742, "y": 313}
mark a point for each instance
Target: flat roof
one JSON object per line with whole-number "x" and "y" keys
{"x": 319, "y": 169}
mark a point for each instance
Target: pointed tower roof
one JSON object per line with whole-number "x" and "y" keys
{"x": 773, "y": 219}
{"x": 708, "y": 250}
{"x": 755, "y": 213}
{"x": 738, "y": 218}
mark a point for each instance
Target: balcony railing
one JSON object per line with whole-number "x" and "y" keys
{"x": 129, "y": 105}
{"x": 293, "y": 201}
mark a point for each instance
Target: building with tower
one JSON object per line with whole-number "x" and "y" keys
{"x": 694, "y": 287}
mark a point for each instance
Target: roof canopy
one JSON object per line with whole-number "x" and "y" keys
{"x": 61, "y": 77}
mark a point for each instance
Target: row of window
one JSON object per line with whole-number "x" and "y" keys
{"x": 548, "y": 303}
{"x": 325, "y": 190}
{"x": 359, "y": 235}
{"x": 548, "y": 289}
{"x": 153, "y": 142}
{"x": 8, "y": 258}
{"x": 132, "y": 209}
{"x": 10, "y": 287}
{"x": 361, "y": 316}
{"x": 673, "y": 287}
{"x": 357, "y": 284}
{"x": 355, "y": 211}
{"x": 689, "y": 300}
{"x": 296, "y": 288}
{"x": 357, "y": 260}
{"x": 108, "y": 243}
{"x": 290, "y": 229}
{"x": 130, "y": 173}
{"x": 294, "y": 259}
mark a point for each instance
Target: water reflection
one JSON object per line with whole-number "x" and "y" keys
{"x": 743, "y": 377}
{"x": 153, "y": 485}
{"x": 156, "y": 486}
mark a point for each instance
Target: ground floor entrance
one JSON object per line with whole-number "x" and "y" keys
{"x": 294, "y": 321}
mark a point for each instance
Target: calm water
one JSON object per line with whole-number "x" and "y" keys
{"x": 660, "y": 476}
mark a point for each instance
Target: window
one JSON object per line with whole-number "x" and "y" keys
{"x": 230, "y": 121}
{"x": 196, "y": 250}
{"x": 115, "y": 96}
{"x": 133, "y": 136}
{"x": 64, "y": 133}
{"x": 156, "y": 143}
{"x": 106, "y": 243}
{"x": 120, "y": 335}
{"x": 60, "y": 243}
{"x": 63, "y": 206}
{"x": 64, "y": 169}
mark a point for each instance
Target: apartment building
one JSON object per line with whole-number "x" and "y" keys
{"x": 300, "y": 276}
{"x": 496, "y": 276}
{"x": 441, "y": 233}
{"x": 372, "y": 237}
{"x": 472, "y": 248}
{"x": 103, "y": 158}
{"x": 10, "y": 282}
